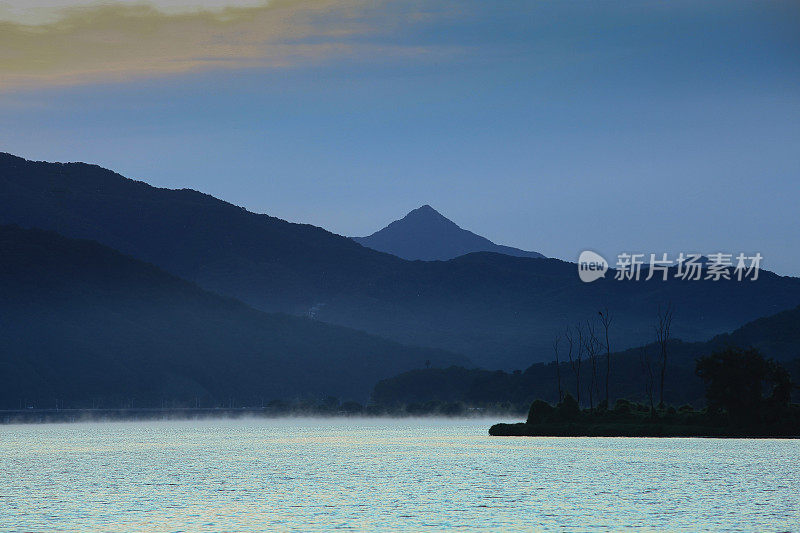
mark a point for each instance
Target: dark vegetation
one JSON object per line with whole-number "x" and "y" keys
{"x": 498, "y": 310}
{"x": 632, "y": 374}
{"x": 84, "y": 326}
{"x": 318, "y": 408}
{"x": 747, "y": 396}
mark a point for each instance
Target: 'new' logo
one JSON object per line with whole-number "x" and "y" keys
{"x": 591, "y": 266}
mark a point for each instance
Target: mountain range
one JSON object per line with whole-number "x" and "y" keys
{"x": 86, "y": 325}
{"x": 498, "y": 310}
{"x": 425, "y": 234}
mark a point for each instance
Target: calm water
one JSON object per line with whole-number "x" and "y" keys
{"x": 316, "y": 475}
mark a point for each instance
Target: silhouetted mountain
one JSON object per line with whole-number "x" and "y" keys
{"x": 426, "y": 235}
{"x": 776, "y": 337}
{"x": 84, "y": 324}
{"x": 500, "y": 311}
{"x": 274, "y": 264}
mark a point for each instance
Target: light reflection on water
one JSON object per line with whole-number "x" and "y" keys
{"x": 313, "y": 475}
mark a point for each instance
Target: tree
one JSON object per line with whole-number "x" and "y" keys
{"x": 647, "y": 370}
{"x": 605, "y": 319}
{"x": 662, "y": 337}
{"x": 575, "y": 361}
{"x": 556, "y": 341}
{"x": 592, "y": 347}
{"x": 736, "y": 380}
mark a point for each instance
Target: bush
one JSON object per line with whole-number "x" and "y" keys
{"x": 622, "y": 406}
{"x": 568, "y": 409}
{"x": 539, "y": 412}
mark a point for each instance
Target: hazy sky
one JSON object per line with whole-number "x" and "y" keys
{"x": 551, "y": 126}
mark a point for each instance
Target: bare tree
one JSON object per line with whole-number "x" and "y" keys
{"x": 591, "y": 345}
{"x": 647, "y": 370}
{"x": 606, "y": 319}
{"x": 575, "y": 359}
{"x": 556, "y": 342}
{"x": 662, "y": 337}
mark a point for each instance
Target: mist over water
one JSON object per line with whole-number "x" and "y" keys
{"x": 380, "y": 474}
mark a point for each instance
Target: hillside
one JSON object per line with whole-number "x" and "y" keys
{"x": 274, "y": 264}
{"x": 498, "y": 310}
{"x": 87, "y": 325}
{"x": 425, "y": 234}
{"x": 776, "y": 336}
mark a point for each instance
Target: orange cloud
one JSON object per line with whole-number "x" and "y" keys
{"x": 119, "y": 42}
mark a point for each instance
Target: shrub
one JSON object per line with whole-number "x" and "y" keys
{"x": 539, "y": 412}
{"x": 622, "y": 406}
{"x": 568, "y": 409}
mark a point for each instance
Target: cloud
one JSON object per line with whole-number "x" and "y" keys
{"x": 35, "y": 12}
{"x": 123, "y": 41}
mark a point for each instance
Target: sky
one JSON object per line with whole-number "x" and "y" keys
{"x": 554, "y": 126}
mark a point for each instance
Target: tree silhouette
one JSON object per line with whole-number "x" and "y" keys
{"x": 606, "y": 319}
{"x": 649, "y": 378}
{"x": 556, "y": 341}
{"x": 592, "y": 347}
{"x": 575, "y": 360}
{"x": 662, "y": 337}
{"x": 736, "y": 380}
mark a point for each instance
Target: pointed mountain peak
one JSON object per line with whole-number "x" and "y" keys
{"x": 424, "y": 214}
{"x": 425, "y": 209}
{"x": 426, "y": 234}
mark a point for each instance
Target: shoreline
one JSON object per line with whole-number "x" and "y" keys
{"x": 652, "y": 430}
{"x": 60, "y": 416}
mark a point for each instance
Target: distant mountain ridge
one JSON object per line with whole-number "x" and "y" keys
{"x": 425, "y": 234}
{"x": 499, "y": 311}
{"x": 81, "y": 323}
{"x": 775, "y": 336}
